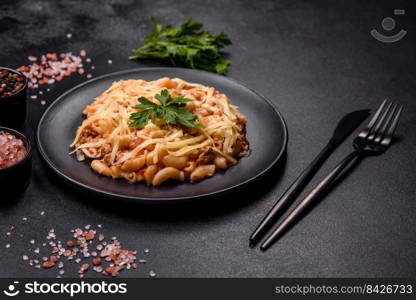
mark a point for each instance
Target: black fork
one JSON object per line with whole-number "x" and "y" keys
{"x": 373, "y": 140}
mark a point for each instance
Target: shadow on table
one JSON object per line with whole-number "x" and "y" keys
{"x": 190, "y": 210}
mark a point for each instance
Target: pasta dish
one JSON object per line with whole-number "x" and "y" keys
{"x": 161, "y": 149}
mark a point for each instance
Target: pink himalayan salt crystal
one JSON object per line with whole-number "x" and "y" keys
{"x": 51, "y": 68}
{"x": 12, "y": 150}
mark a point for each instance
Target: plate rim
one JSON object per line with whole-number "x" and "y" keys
{"x": 90, "y": 189}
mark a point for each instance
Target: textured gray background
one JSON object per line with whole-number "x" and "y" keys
{"x": 316, "y": 61}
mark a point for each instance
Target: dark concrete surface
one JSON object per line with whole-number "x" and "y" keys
{"x": 317, "y": 61}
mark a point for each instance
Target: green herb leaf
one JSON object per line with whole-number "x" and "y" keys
{"x": 178, "y": 101}
{"x": 144, "y": 104}
{"x": 171, "y": 111}
{"x": 186, "y": 46}
{"x": 163, "y": 97}
{"x": 140, "y": 119}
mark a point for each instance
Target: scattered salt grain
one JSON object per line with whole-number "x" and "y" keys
{"x": 69, "y": 35}
{"x": 24, "y": 219}
{"x": 42, "y": 213}
{"x": 7, "y": 245}
{"x": 89, "y": 76}
{"x": 98, "y": 269}
{"x": 110, "y": 61}
{"x": 111, "y": 259}
{"x": 50, "y": 68}
{"x": 43, "y": 102}
{"x": 33, "y": 97}
{"x": 146, "y": 250}
{"x": 152, "y": 274}
{"x": 88, "y": 60}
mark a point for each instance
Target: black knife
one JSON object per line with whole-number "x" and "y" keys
{"x": 344, "y": 128}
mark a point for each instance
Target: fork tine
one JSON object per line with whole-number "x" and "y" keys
{"x": 378, "y": 112}
{"x": 390, "y": 131}
{"x": 382, "y": 131}
{"x": 370, "y": 125}
{"x": 381, "y": 118}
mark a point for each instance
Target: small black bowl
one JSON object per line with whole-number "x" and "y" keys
{"x": 13, "y": 108}
{"x": 14, "y": 179}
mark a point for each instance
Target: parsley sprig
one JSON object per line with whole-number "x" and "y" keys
{"x": 187, "y": 45}
{"x": 170, "y": 111}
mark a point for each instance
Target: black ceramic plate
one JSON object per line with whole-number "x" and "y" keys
{"x": 266, "y": 132}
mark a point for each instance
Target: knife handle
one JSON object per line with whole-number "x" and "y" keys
{"x": 294, "y": 189}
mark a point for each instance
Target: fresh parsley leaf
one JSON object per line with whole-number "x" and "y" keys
{"x": 144, "y": 103}
{"x": 180, "y": 101}
{"x": 140, "y": 119}
{"x": 187, "y": 45}
{"x": 163, "y": 97}
{"x": 171, "y": 111}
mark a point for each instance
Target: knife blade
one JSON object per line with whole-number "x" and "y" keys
{"x": 347, "y": 125}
